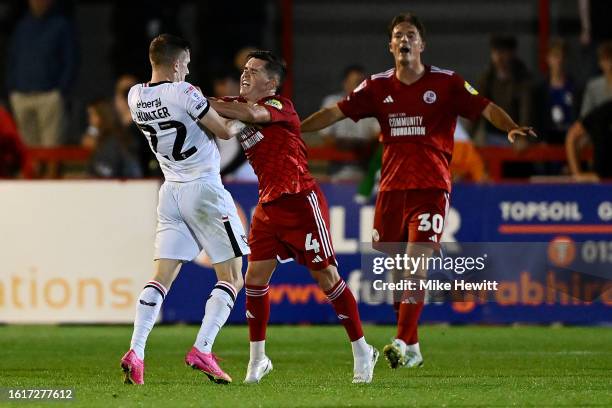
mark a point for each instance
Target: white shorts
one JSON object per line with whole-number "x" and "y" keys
{"x": 198, "y": 215}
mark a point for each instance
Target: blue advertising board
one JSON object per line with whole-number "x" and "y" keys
{"x": 580, "y": 214}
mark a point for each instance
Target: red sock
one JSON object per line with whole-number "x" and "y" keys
{"x": 408, "y": 322}
{"x": 344, "y": 304}
{"x": 257, "y": 311}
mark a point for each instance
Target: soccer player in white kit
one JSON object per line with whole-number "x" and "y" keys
{"x": 195, "y": 211}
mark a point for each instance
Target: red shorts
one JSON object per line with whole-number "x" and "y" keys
{"x": 410, "y": 216}
{"x": 294, "y": 226}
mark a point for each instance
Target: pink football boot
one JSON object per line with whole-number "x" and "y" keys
{"x": 207, "y": 363}
{"x": 133, "y": 367}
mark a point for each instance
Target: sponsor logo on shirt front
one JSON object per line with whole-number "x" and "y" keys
{"x": 401, "y": 125}
{"x": 156, "y": 103}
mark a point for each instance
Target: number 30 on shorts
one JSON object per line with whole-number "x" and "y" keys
{"x": 312, "y": 244}
{"x": 435, "y": 223}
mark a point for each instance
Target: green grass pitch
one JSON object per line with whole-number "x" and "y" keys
{"x": 464, "y": 366}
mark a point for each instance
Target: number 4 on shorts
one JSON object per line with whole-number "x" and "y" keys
{"x": 312, "y": 244}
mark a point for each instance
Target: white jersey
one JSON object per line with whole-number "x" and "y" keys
{"x": 168, "y": 114}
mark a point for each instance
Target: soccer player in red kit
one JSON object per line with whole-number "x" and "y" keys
{"x": 417, "y": 107}
{"x": 291, "y": 219}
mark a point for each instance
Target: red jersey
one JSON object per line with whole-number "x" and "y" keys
{"x": 277, "y": 151}
{"x": 417, "y": 123}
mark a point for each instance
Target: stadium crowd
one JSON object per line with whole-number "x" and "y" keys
{"x": 41, "y": 58}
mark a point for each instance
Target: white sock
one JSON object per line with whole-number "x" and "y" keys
{"x": 217, "y": 310}
{"x": 360, "y": 348}
{"x": 257, "y": 350}
{"x": 147, "y": 308}
{"x": 414, "y": 348}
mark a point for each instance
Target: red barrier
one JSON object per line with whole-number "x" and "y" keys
{"x": 494, "y": 157}
{"x": 53, "y": 156}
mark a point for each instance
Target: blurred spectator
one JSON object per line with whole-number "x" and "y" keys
{"x": 11, "y": 148}
{"x": 598, "y": 94}
{"x": 595, "y": 28}
{"x": 111, "y": 156}
{"x": 595, "y": 129}
{"x": 234, "y": 164}
{"x": 149, "y": 166}
{"x": 555, "y": 97}
{"x": 42, "y": 60}
{"x": 226, "y": 83}
{"x": 599, "y": 90}
{"x": 348, "y": 135}
{"x": 506, "y": 81}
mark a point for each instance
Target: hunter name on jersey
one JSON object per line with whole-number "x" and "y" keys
{"x": 402, "y": 125}
{"x": 159, "y": 112}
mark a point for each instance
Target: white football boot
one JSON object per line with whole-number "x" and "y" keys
{"x": 414, "y": 358}
{"x": 363, "y": 369}
{"x": 257, "y": 369}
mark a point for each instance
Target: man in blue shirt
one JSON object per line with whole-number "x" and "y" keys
{"x": 41, "y": 65}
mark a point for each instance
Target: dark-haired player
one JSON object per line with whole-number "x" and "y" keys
{"x": 195, "y": 211}
{"x": 291, "y": 219}
{"x": 417, "y": 107}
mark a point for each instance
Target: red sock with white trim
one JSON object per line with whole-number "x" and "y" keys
{"x": 258, "y": 314}
{"x": 344, "y": 304}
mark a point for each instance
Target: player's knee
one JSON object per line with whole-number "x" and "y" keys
{"x": 237, "y": 282}
{"x": 326, "y": 277}
{"x": 230, "y": 271}
{"x": 259, "y": 272}
{"x": 255, "y": 277}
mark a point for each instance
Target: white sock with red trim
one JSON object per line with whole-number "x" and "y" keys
{"x": 218, "y": 308}
{"x": 147, "y": 309}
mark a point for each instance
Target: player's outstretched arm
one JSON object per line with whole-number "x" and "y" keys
{"x": 501, "y": 120}
{"x": 322, "y": 119}
{"x": 216, "y": 124}
{"x": 242, "y": 111}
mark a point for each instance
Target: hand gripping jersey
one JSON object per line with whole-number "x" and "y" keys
{"x": 276, "y": 150}
{"x": 417, "y": 123}
{"x": 168, "y": 114}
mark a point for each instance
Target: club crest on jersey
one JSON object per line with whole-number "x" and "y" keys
{"x": 470, "y": 88}
{"x": 274, "y": 103}
{"x": 430, "y": 97}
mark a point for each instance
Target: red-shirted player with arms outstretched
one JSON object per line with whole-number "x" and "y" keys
{"x": 417, "y": 107}
{"x": 291, "y": 219}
